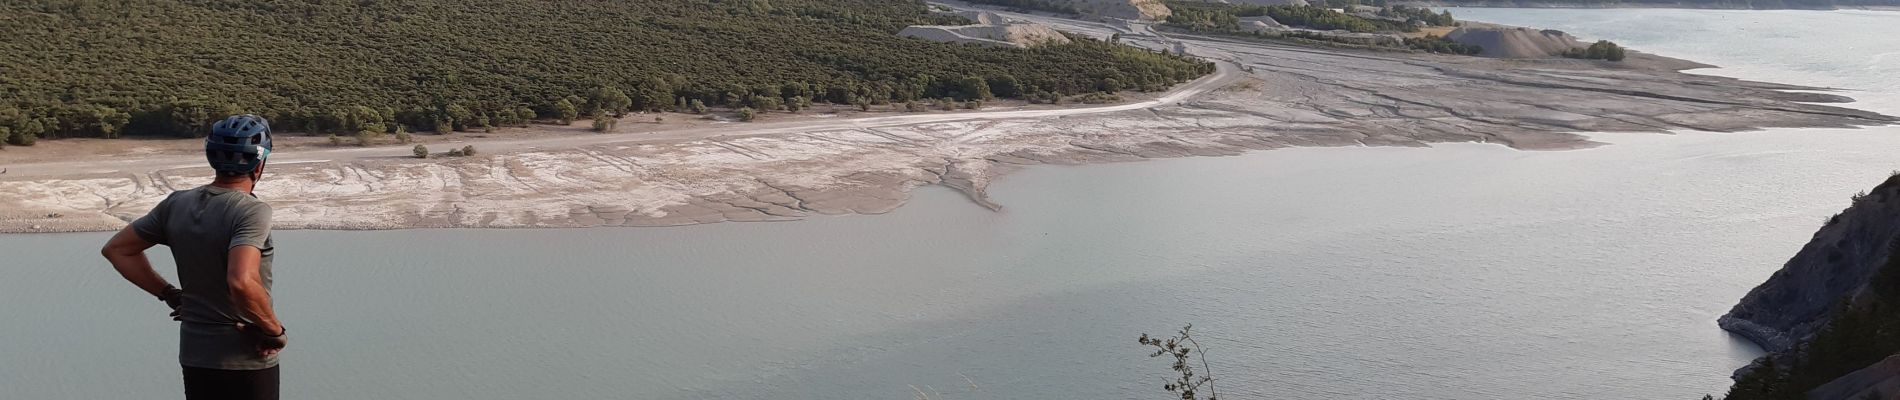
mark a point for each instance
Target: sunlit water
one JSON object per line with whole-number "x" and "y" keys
{"x": 1458, "y": 272}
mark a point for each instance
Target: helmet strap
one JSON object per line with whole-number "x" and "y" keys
{"x": 257, "y": 174}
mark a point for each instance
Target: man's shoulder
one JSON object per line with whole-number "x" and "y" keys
{"x": 245, "y": 203}
{"x": 236, "y": 201}
{"x": 170, "y": 198}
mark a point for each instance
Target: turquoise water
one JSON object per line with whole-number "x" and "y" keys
{"x": 1457, "y": 272}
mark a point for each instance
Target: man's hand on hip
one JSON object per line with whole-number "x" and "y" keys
{"x": 173, "y": 297}
{"x": 268, "y": 343}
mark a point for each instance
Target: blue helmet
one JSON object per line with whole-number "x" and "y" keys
{"x": 238, "y": 144}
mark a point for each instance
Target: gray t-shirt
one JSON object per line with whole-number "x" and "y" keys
{"x": 201, "y": 226}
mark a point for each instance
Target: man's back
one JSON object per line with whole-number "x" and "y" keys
{"x": 219, "y": 234}
{"x": 201, "y": 226}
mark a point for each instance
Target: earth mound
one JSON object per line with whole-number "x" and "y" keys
{"x": 1514, "y": 42}
{"x": 1261, "y": 24}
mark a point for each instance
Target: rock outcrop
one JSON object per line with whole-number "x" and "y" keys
{"x": 1514, "y": 42}
{"x": 1838, "y": 262}
{"x": 1009, "y": 34}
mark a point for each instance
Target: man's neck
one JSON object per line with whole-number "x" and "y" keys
{"x": 238, "y": 183}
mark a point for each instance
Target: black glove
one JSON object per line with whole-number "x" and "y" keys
{"x": 174, "y": 297}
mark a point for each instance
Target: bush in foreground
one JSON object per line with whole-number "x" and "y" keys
{"x": 1184, "y": 349}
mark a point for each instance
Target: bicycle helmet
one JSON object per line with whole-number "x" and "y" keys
{"x": 238, "y": 144}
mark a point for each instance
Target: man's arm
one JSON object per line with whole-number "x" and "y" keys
{"x": 247, "y": 289}
{"x": 126, "y": 252}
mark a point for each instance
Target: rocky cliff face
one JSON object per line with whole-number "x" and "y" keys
{"x": 1838, "y": 262}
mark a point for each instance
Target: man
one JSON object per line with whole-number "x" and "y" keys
{"x": 219, "y": 234}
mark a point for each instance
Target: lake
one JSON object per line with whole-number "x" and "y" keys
{"x": 1463, "y": 271}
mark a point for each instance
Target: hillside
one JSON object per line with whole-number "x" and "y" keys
{"x": 1833, "y": 309}
{"x": 102, "y": 69}
{"x": 1150, "y": 10}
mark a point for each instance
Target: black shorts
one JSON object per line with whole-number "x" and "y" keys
{"x": 222, "y": 384}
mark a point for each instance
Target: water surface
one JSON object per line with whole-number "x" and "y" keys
{"x": 1458, "y": 272}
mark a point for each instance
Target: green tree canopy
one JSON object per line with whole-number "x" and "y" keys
{"x": 449, "y": 64}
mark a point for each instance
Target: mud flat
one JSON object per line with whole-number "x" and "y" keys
{"x": 1267, "y": 96}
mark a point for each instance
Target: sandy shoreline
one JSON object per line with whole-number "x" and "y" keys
{"x": 1267, "y": 96}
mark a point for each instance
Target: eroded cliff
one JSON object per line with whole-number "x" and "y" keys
{"x": 1838, "y": 262}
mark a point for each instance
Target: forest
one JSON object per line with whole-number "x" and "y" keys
{"x": 1439, "y": 44}
{"x": 1421, "y": 14}
{"x": 1226, "y": 17}
{"x": 89, "y": 68}
{"x": 1221, "y": 18}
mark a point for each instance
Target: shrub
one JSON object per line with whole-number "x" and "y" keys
{"x": 421, "y": 151}
{"x": 912, "y": 106}
{"x": 747, "y": 114}
{"x": 468, "y": 150}
{"x": 794, "y": 104}
{"x": 567, "y": 111}
{"x": 336, "y": 140}
{"x": 403, "y": 136}
{"x": 23, "y": 138}
{"x": 455, "y": 153}
{"x": 366, "y": 138}
{"x": 523, "y": 114}
{"x": 1184, "y": 349}
{"x": 696, "y": 106}
{"x": 604, "y": 123}
{"x": 24, "y": 135}
{"x": 1601, "y": 50}
{"x": 1100, "y": 98}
